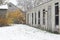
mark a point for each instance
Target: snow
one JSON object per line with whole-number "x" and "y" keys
{"x": 13, "y": 1}
{"x": 4, "y": 6}
{"x": 24, "y": 32}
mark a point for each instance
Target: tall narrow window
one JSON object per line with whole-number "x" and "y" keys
{"x": 57, "y": 20}
{"x": 32, "y": 18}
{"x": 28, "y": 17}
{"x": 35, "y": 18}
{"x": 38, "y": 17}
{"x": 56, "y": 8}
{"x": 43, "y": 16}
{"x": 57, "y": 13}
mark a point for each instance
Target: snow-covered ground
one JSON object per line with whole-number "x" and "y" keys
{"x": 24, "y": 32}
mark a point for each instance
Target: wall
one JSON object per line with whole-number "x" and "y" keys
{"x": 3, "y": 12}
{"x": 47, "y": 26}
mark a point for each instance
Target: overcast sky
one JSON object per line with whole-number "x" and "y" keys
{"x": 13, "y": 1}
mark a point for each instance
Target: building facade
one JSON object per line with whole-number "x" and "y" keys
{"x": 3, "y": 8}
{"x": 45, "y": 16}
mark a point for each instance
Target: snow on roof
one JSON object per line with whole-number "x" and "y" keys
{"x": 4, "y": 6}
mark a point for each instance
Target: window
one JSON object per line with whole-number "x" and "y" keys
{"x": 32, "y": 18}
{"x": 38, "y": 14}
{"x": 28, "y": 17}
{"x": 43, "y": 16}
{"x": 57, "y": 13}
{"x": 56, "y": 3}
{"x": 9, "y": 5}
{"x": 38, "y": 17}
{"x": 57, "y": 10}
{"x": 35, "y": 18}
{"x": 57, "y": 20}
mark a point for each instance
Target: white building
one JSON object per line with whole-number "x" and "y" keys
{"x": 45, "y": 16}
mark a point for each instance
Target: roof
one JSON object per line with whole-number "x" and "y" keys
{"x": 13, "y": 7}
{"x": 4, "y": 6}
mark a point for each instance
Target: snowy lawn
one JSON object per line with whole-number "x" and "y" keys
{"x": 24, "y": 32}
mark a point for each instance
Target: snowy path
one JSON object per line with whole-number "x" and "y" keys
{"x": 23, "y": 32}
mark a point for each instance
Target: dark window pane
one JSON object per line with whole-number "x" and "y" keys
{"x": 9, "y": 5}
{"x": 38, "y": 21}
{"x": 39, "y": 14}
{"x": 44, "y": 21}
{"x": 44, "y": 16}
{"x": 56, "y": 10}
{"x": 32, "y": 15}
{"x": 57, "y": 13}
{"x": 38, "y": 17}
{"x": 56, "y": 20}
{"x": 35, "y": 18}
{"x": 32, "y": 18}
{"x": 43, "y": 9}
{"x": 56, "y": 3}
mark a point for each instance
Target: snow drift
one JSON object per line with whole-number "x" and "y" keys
{"x": 24, "y": 32}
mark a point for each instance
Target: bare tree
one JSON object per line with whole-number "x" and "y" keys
{"x": 3, "y": 2}
{"x": 29, "y": 4}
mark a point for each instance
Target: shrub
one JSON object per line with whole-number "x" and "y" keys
{"x": 5, "y": 21}
{"x": 12, "y": 17}
{"x": 17, "y": 16}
